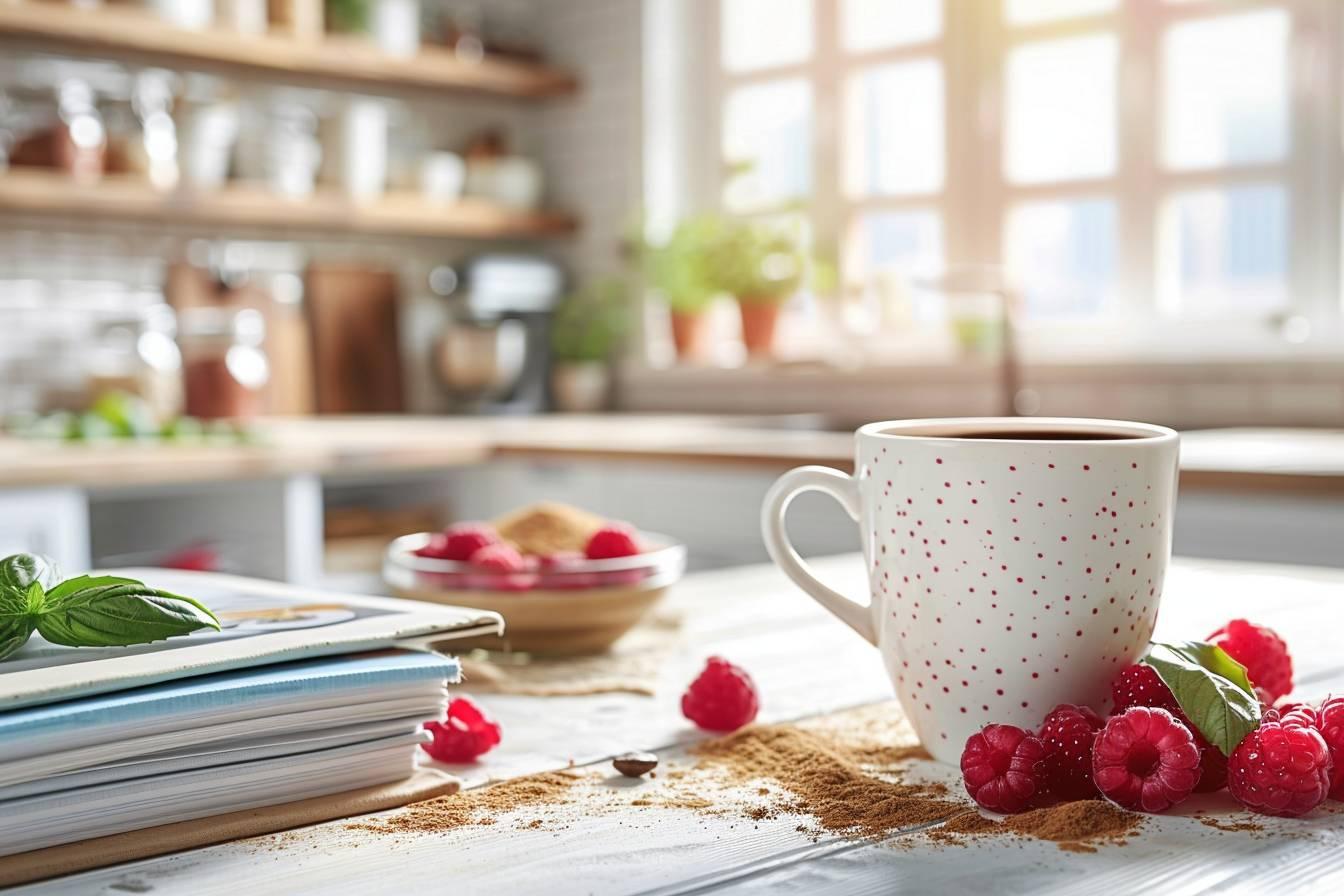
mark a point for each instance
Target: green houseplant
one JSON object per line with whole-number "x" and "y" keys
{"x": 681, "y": 271}
{"x": 761, "y": 266}
{"x": 589, "y": 327}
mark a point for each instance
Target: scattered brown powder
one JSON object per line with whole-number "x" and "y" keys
{"x": 822, "y": 780}
{"x": 480, "y": 806}
{"x": 970, "y": 822}
{"x": 1244, "y": 825}
{"x": 1076, "y": 826}
{"x": 849, "y": 778}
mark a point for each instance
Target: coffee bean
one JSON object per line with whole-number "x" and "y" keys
{"x": 634, "y": 765}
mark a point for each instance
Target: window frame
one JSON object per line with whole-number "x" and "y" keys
{"x": 976, "y": 198}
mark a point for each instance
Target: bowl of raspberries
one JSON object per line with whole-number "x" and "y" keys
{"x": 1189, "y": 718}
{"x": 565, "y": 581}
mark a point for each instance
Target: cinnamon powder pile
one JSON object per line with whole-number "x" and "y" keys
{"x": 821, "y": 779}
{"x": 837, "y": 779}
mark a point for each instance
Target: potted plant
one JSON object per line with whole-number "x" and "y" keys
{"x": 586, "y": 334}
{"x": 761, "y": 267}
{"x": 394, "y": 25}
{"x": 680, "y": 271}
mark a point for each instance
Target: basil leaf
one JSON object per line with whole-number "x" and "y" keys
{"x": 18, "y": 571}
{"x": 16, "y": 617}
{"x": 107, "y": 611}
{"x": 1215, "y": 660}
{"x": 12, "y": 641}
{"x": 1222, "y": 710}
{"x": 83, "y": 583}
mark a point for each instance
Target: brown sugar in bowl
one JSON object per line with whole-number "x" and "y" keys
{"x": 585, "y": 615}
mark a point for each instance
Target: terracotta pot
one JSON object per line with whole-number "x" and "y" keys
{"x": 690, "y": 334}
{"x": 581, "y": 386}
{"x": 759, "y": 321}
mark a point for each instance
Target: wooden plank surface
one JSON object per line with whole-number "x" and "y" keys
{"x": 1307, "y": 462}
{"x": 806, "y": 665}
{"x": 133, "y": 35}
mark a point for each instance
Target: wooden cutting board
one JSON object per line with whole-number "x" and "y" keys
{"x": 352, "y": 315}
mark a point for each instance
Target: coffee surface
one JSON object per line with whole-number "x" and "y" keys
{"x": 1051, "y": 435}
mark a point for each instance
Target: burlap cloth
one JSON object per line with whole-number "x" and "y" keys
{"x": 631, "y": 666}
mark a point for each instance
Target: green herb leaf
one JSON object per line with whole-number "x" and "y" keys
{"x": 16, "y": 619}
{"x": 1215, "y": 660}
{"x": 1223, "y": 709}
{"x": 108, "y": 611}
{"x": 18, "y": 571}
{"x": 69, "y": 587}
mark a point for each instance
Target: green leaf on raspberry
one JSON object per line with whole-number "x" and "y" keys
{"x": 1214, "y": 659}
{"x": 1224, "y": 709}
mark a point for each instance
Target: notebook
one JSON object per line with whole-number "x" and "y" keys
{"x": 262, "y": 623}
{"x": 302, "y": 694}
{"x": 200, "y": 746}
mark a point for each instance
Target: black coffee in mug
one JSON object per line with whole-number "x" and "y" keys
{"x": 1042, "y": 434}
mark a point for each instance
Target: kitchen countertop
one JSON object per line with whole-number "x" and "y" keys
{"x": 1285, "y": 460}
{"x": 806, "y": 665}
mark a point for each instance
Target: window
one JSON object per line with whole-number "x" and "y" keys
{"x": 1133, "y": 162}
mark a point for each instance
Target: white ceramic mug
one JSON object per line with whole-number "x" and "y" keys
{"x": 1013, "y": 563}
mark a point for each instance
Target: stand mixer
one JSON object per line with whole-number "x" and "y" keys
{"x": 493, "y": 355}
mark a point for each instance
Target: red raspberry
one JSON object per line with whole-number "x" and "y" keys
{"x": 563, "y": 571}
{"x": 1262, "y": 652}
{"x": 722, "y": 698}
{"x": 1302, "y": 715}
{"x": 465, "y": 733}
{"x": 459, "y": 542}
{"x": 1068, "y": 732}
{"x": 1145, "y": 759}
{"x": 1330, "y": 723}
{"x": 1001, "y": 765}
{"x": 561, "y": 560}
{"x": 505, "y": 568}
{"x": 1139, "y": 685}
{"x": 1281, "y": 768}
{"x": 614, "y": 540}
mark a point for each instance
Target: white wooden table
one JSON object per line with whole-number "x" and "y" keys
{"x": 805, "y": 664}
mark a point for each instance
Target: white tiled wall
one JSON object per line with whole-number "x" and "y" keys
{"x": 591, "y": 142}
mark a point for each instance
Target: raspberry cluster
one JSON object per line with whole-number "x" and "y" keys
{"x": 1149, "y": 756}
{"x": 492, "y": 564}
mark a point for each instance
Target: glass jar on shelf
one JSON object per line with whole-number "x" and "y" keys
{"x": 133, "y": 352}
{"x": 224, "y": 366}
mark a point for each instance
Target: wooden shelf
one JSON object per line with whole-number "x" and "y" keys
{"x": 40, "y": 192}
{"x": 133, "y": 35}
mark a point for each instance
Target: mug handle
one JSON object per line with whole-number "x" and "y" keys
{"x": 841, "y": 487}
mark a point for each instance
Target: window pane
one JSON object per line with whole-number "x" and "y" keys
{"x": 1227, "y": 90}
{"x": 910, "y": 242}
{"x": 894, "y": 134}
{"x": 767, "y": 141}
{"x": 765, "y": 33}
{"x": 1224, "y": 251}
{"x": 870, "y": 24}
{"x": 1061, "y": 254}
{"x": 1029, "y": 12}
{"x": 1061, "y": 110}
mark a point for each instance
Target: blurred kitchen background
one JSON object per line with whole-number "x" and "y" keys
{"x": 281, "y": 279}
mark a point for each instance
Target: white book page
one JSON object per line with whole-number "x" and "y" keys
{"x": 264, "y": 622}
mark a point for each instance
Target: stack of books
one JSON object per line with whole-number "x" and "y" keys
{"x": 300, "y": 695}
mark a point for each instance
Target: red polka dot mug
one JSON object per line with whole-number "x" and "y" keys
{"x": 1013, "y": 563}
